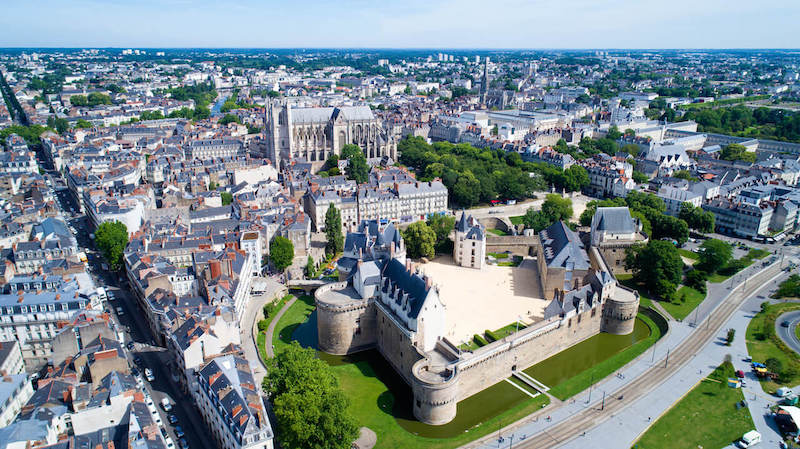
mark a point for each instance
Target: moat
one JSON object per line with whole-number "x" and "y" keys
{"x": 478, "y": 408}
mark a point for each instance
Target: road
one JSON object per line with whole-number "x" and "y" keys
{"x": 613, "y": 396}
{"x": 627, "y": 426}
{"x": 578, "y": 206}
{"x": 787, "y": 334}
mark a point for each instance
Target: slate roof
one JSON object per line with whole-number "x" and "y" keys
{"x": 408, "y": 282}
{"x": 614, "y": 219}
{"x": 562, "y": 248}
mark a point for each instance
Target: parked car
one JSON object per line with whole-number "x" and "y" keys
{"x": 137, "y": 360}
{"x": 179, "y": 432}
{"x": 120, "y": 312}
{"x": 135, "y": 372}
{"x": 785, "y": 323}
{"x": 166, "y": 405}
{"x": 783, "y": 392}
{"x": 740, "y": 374}
{"x": 183, "y": 443}
{"x": 148, "y": 374}
{"x": 130, "y": 346}
{"x": 172, "y": 419}
{"x": 749, "y": 439}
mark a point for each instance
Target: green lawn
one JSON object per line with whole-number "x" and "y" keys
{"x": 508, "y": 330}
{"x": 498, "y": 255}
{"x": 296, "y": 314}
{"x": 374, "y": 405}
{"x": 680, "y": 310}
{"x": 748, "y": 259}
{"x": 627, "y": 280}
{"x": 514, "y": 262}
{"x": 261, "y": 338}
{"x": 688, "y": 254}
{"x": 571, "y": 371}
{"x": 706, "y": 417}
{"x": 516, "y": 220}
{"x": 496, "y": 231}
{"x": 762, "y": 344}
{"x": 717, "y": 278}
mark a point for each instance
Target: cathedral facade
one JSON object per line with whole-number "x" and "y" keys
{"x": 314, "y": 134}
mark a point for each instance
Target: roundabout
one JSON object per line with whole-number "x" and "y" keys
{"x": 788, "y": 333}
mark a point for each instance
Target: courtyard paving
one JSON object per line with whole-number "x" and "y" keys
{"x": 489, "y": 298}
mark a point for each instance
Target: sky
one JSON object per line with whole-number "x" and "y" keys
{"x": 531, "y": 24}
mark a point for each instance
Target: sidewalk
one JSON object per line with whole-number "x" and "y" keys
{"x": 624, "y": 428}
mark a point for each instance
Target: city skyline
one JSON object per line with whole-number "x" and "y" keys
{"x": 469, "y": 24}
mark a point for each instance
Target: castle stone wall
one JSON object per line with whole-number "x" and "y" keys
{"x": 619, "y": 317}
{"x": 344, "y": 328}
{"x": 395, "y": 345}
{"x": 520, "y": 352}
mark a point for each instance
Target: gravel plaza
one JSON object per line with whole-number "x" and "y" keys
{"x": 489, "y": 298}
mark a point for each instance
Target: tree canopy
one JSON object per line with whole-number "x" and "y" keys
{"x": 696, "y": 218}
{"x": 554, "y": 208}
{"x": 420, "y": 240}
{"x": 442, "y": 225}
{"x": 736, "y": 152}
{"x": 357, "y": 168}
{"x": 333, "y": 231}
{"x": 657, "y": 265}
{"x": 310, "y": 408}
{"x": 281, "y": 252}
{"x": 111, "y": 238}
{"x": 713, "y": 255}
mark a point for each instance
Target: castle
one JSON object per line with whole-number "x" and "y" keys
{"x": 382, "y": 301}
{"x": 314, "y": 134}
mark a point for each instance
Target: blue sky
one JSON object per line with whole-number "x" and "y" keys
{"x": 402, "y": 24}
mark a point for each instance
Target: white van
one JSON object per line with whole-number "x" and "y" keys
{"x": 783, "y": 392}
{"x": 751, "y": 438}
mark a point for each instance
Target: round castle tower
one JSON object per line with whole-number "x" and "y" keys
{"x": 435, "y": 394}
{"x": 619, "y": 311}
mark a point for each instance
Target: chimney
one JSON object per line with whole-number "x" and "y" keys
{"x": 216, "y": 269}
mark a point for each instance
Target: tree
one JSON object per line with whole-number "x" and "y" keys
{"x": 78, "y": 100}
{"x": 667, "y": 226}
{"x": 467, "y": 190}
{"x": 713, "y": 255}
{"x": 333, "y": 231}
{"x": 357, "y": 168}
{"x": 83, "y": 124}
{"x": 227, "y": 198}
{"x": 311, "y": 270}
{"x": 229, "y": 118}
{"x": 736, "y": 152}
{"x": 632, "y": 149}
{"x": 212, "y": 186}
{"x": 613, "y": 133}
{"x": 657, "y": 265}
{"x": 310, "y": 408}
{"x": 639, "y": 177}
{"x": 575, "y": 178}
{"x": 201, "y": 113}
{"x": 96, "y": 98}
{"x": 111, "y": 238}
{"x": 442, "y": 225}
{"x": 281, "y": 252}
{"x": 420, "y": 240}
{"x": 696, "y": 218}
{"x": 557, "y": 208}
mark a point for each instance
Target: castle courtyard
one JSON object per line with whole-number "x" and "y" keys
{"x": 489, "y": 298}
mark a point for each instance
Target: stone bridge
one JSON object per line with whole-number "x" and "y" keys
{"x": 307, "y": 285}
{"x": 521, "y": 245}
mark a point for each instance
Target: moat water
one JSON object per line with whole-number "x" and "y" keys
{"x": 490, "y": 402}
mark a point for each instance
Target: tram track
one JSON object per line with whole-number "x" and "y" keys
{"x": 621, "y": 398}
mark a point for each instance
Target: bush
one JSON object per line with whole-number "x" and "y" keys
{"x": 774, "y": 365}
{"x": 262, "y": 325}
{"x": 729, "y": 338}
{"x": 480, "y": 341}
{"x": 491, "y": 335}
{"x": 696, "y": 279}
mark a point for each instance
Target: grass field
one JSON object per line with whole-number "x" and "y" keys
{"x": 516, "y": 220}
{"x": 762, "y": 344}
{"x": 296, "y": 314}
{"x": 499, "y": 232}
{"x": 706, "y": 417}
{"x": 688, "y": 254}
{"x": 374, "y": 405}
{"x": 752, "y": 255}
{"x": 261, "y": 338}
{"x": 571, "y": 364}
{"x": 680, "y": 310}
